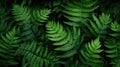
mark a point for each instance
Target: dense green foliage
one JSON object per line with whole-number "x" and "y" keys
{"x": 59, "y": 33}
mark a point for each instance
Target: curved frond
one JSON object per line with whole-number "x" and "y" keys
{"x": 37, "y": 55}
{"x": 21, "y": 13}
{"x": 115, "y": 27}
{"x": 62, "y": 38}
{"x": 5, "y": 26}
{"x": 77, "y": 11}
{"x": 112, "y": 51}
{"x": 99, "y": 25}
{"x": 89, "y": 54}
{"x": 40, "y": 15}
{"x": 8, "y": 46}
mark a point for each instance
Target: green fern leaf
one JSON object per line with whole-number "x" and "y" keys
{"x": 62, "y": 38}
{"x": 78, "y": 11}
{"x": 90, "y": 53}
{"x": 99, "y": 25}
{"x": 112, "y": 51}
{"x": 115, "y": 27}
{"x": 21, "y": 13}
{"x": 40, "y": 15}
{"x": 37, "y": 54}
{"x": 8, "y": 46}
{"x": 5, "y": 26}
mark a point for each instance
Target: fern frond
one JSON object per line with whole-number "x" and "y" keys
{"x": 21, "y": 13}
{"x": 5, "y": 26}
{"x": 8, "y": 46}
{"x": 37, "y": 55}
{"x": 55, "y": 6}
{"x": 40, "y": 15}
{"x": 62, "y": 38}
{"x": 26, "y": 15}
{"x": 77, "y": 11}
{"x": 98, "y": 25}
{"x": 115, "y": 29}
{"x": 56, "y": 32}
{"x": 111, "y": 48}
{"x": 115, "y": 26}
{"x": 77, "y": 39}
{"x": 112, "y": 51}
{"x": 89, "y": 54}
